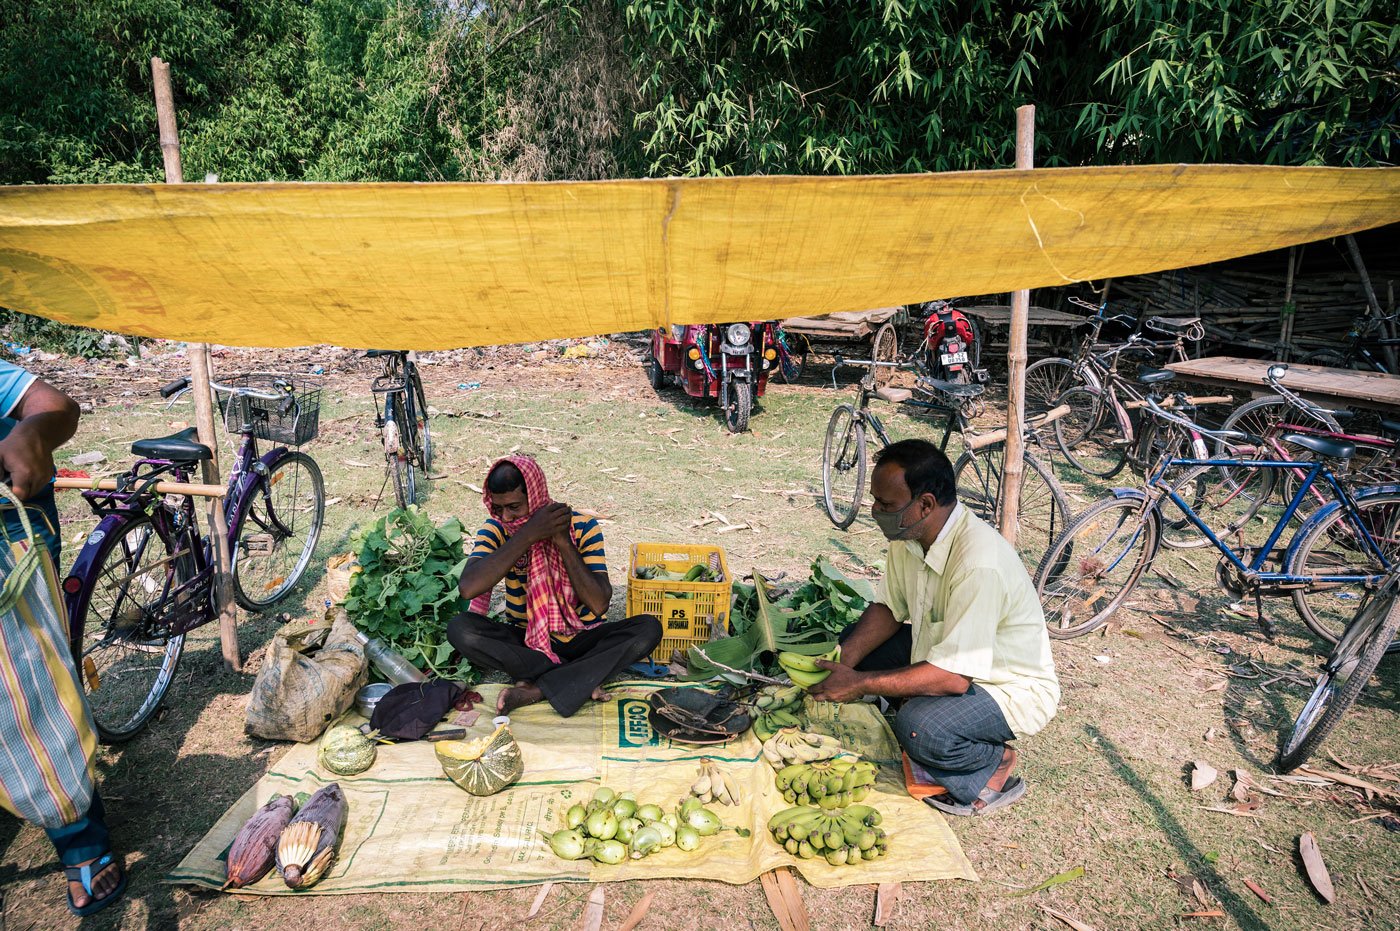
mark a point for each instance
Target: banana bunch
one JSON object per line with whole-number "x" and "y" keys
{"x": 793, "y": 745}
{"x": 803, "y": 670}
{"x": 842, "y": 838}
{"x": 828, "y": 784}
{"x": 773, "y": 698}
{"x": 713, "y": 785}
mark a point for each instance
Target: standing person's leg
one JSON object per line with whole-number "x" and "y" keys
{"x": 484, "y": 642}
{"x": 594, "y": 655}
{"x": 962, "y": 741}
{"x": 84, "y": 848}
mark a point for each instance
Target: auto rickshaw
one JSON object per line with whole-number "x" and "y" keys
{"x": 728, "y": 362}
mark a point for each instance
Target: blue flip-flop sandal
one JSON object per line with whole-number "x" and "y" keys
{"x": 991, "y": 800}
{"x": 85, "y": 874}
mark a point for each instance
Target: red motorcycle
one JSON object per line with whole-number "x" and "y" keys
{"x": 951, "y": 347}
{"x": 729, "y": 362}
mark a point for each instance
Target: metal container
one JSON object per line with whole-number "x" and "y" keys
{"x": 367, "y": 697}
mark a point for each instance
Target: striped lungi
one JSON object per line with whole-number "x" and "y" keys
{"x": 47, "y": 738}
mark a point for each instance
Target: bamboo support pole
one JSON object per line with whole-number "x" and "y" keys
{"x": 164, "y": 488}
{"x": 203, "y": 398}
{"x": 1014, "y": 465}
{"x": 1287, "y": 312}
{"x": 1372, "y": 302}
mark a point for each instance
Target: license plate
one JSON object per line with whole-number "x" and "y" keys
{"x": 952, "y": 358}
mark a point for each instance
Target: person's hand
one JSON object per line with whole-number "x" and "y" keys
{"x": 844, "y": 683}
{"x": 28, "y": 462}
{"x": 550, "y": 522}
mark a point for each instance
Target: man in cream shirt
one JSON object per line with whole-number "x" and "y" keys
{"x": 956, "y": 632}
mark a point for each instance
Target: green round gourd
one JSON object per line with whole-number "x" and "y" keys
{"x": 484, "y": 769}
{"x": 346, "y": 752}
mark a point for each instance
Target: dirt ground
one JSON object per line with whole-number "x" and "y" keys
{"x": 1173, "y": 679}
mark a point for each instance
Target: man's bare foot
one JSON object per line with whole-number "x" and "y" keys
{"x": 517, "y": 696}
{"x": 602, "y": 694}
{"x": 102, "y": 884}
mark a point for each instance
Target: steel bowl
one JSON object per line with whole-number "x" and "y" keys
{"x": 367, "y": 697}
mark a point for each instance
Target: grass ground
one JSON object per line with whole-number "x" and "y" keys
{"x": 1171, "y": 680}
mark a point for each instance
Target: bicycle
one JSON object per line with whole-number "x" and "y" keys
{"x": 977, "y": 472}
{"x": 1099, "y": 560}
{"x": 1345, "y": 673}
{"x": 1099, "y": 436}
{"x": 144, "y": 578}
{"x": 402, "y": 421}
{"x": 1357, "y": 352}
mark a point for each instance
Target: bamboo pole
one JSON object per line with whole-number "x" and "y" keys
{"x": 203, "y": 398}
{"x": 1372, "y": 302}
{"x": 1288, "y": 311}
{"x": 1016, "y": 359}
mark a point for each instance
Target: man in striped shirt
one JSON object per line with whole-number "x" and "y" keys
{"x": 564, "y": 658}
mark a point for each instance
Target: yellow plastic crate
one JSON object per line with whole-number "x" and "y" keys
{"x": 690, "y": 612}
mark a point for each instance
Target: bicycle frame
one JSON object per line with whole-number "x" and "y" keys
{"x": 1158, "y": 488}
{"x": 121, "y": 508}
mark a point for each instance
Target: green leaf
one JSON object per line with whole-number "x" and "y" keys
{"x": 1056, "y": 880}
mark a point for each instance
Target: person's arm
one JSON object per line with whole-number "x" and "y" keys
{"x": 975, "y": 607}
{"x": 489, "y": 564}
{"x": 48, "y": 418}
{"x": 592, "y": 587}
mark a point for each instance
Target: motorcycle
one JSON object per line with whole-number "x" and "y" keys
{"x": 727, "y": 362}
{"x": 952, "y": 350}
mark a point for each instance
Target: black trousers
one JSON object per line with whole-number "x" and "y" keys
{"x": 589, "y": 658}
{"x": 957, "y": 739}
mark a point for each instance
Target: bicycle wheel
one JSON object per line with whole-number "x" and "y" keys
{"x": 125, "y": 666}
{"x": 276, "y": 534}
{"x": 1344, "y": 676}
{"x": 1091, "y": 436}
{"x": 1261, "y": 418}
{"x": 1159, "y": 441}
{"x": 424, "y": 433}
{"x": 1329, "y": 544}
{"x": 843, "y": 466}
{"x": 1046, "y": 380}
{"x": 397, "y": 454}
{"x": 1091, "y": 569}
{"x": 1043, "y": 513}
{"x": 884, "y": 348}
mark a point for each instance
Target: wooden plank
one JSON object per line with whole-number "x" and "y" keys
{"x": 1360, "y": 389}
{"x": 785, "y": 899}
{"x": 1000, "y": 315}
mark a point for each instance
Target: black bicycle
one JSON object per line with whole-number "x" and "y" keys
{"x": 401, "y": 416}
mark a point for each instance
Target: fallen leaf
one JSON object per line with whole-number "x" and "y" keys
{"x": 1104, "y": 659}
{"x": 1253, "y": 887}
{"x": 1074, "y": 923}
{"x": 886, "y": 896}
{"x": 1209, "y": 734}
{"x": 1056, "y": 880}
{"x": 593, "y": 911}
{"x": 1202, "y": 775}
{"x": 1217, "y": 687}
{"x": 639, "y": 911}
{"x": 539, "y": 900}
{"x": 1317, "y": 870}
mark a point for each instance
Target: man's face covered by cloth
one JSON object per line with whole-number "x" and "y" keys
{"x": 508, "y": 507}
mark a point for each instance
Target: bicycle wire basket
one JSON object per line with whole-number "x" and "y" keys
{"x": 276, "y": 421}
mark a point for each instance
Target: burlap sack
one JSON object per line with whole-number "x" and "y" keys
{"x": 297, "y": 694}
{"x": 339, "y": 571}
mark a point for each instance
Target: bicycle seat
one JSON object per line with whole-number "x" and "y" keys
{"x": 1390, "y": 428}
{"x": 1333, "y": 449}
{"x": 1155, "y": 376}
{"x": 950, "y": 388}
{"x": 177, "y": 447}
{"x": 1173, "y": 324}
{"x": 893, "y": 394}
{"x": 376, "y": 353}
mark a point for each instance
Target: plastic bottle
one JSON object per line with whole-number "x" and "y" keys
{"x": 391, "y": 665}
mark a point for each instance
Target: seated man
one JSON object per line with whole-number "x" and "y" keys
{"x": 956, "y": 632}
{"x": 555, "y": 644}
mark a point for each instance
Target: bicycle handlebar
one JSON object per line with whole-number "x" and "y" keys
{"x": 181, "y": 385}
{"x": 1274, "y": 377}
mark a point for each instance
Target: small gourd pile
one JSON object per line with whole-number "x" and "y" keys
{"x": 612, "y": 827}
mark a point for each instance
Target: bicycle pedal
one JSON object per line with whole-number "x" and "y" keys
{"x": 257, "y": 544}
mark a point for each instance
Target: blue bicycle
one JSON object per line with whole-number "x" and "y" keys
{"x": 1339, "y": 554}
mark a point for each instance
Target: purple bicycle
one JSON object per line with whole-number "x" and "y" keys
{"x": 145, "y": 577}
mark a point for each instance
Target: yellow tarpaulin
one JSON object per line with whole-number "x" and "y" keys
{"x": 411, "y": 830}
{"x": 431, "y": 266}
